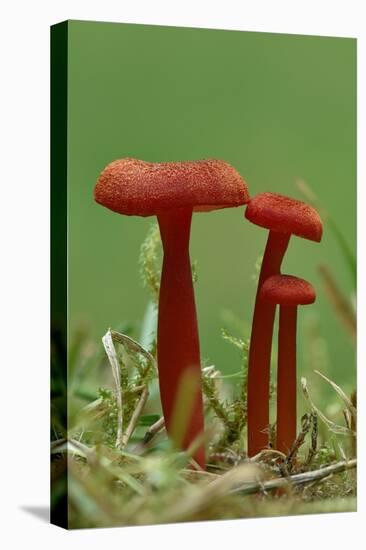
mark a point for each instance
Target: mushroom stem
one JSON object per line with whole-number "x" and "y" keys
{"x": 260, "y": 348}
{"x": 286, "y": 379}
{"x": 178, "y": 342}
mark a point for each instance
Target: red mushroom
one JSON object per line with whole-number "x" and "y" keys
{"x": 173, "y": 191}
{"x": 283, "y": 217}
{"x": 289, "y": 292}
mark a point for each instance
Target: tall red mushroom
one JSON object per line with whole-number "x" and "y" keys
{"x": 288, "y": 292}
{"x": 283, "y": 216}
{"x": 173, "y": 191}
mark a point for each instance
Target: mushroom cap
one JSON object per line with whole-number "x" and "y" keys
{"x": 285, "y": 215}
{"x": 287, "y": 290}
{"x": 138, "y": 188}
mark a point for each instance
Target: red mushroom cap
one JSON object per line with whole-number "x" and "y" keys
{"x": 138, "y": 188}
{"x": 286, "y": 290}
{"x": 285, "y": 215}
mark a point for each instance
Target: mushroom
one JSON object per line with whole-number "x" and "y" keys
{"x": 288, "y": 292}
{"x": 173, "y": 191}
{"x": 283, "y": 216}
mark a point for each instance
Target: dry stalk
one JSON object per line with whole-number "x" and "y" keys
{"x": 131, "y": 345}
{"x": 153, "y": 430}
{"x": 314, "y": 441}
{"x": 113, "y": 360}
{"x": 305, "y": 427}
{"x": 134, "y": 418}
{"x": 298, "y": 479}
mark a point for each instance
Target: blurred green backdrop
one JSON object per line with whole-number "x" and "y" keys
{"x": 277, "y": 107}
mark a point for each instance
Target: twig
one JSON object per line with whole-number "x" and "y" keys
{"x": 134, "y": 418}
{"x": 297, "y": 479}
{"x": 305, "y": 427}
{"x": 314, "y": 440}
{"x": 153, "y": 430}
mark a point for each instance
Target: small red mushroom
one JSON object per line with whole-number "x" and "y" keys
{"x": 173, "y": 191}
{"x": 283, "y": 217}
{"x": 288, "y": 292}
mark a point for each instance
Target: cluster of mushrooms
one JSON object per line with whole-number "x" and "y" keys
{"x": 173, "y": 191}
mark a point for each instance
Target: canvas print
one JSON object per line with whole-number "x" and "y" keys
{"x": 203, "y": 270}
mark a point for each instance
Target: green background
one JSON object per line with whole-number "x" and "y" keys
{"x": 277, "y": 107}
